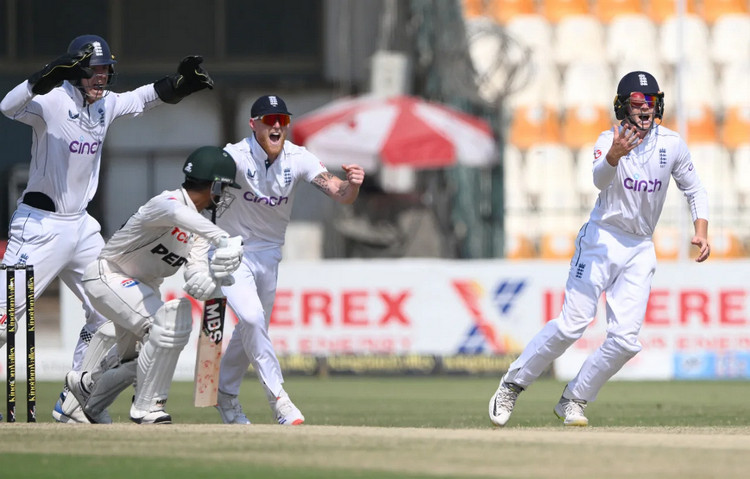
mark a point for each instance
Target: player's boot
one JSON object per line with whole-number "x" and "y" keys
{"x": 155, "y": 415}
{"x": 67, "y": 410}
{"x": 287, "y": 413}
{"x": 79, "y": 386}
{"x": 230, "y": 409}
{"x": 503, "y": 401}
{"x": 571, "y": 412}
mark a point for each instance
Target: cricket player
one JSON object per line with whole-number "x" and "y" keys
{"x": 633, "y": 163}
{"x": 269, "y": 168}
{"x": 69, "y": 106}
{"x": 123, "y": 284}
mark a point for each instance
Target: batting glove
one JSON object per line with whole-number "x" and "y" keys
{"x": 200, "y": 285}
{"x": 71, "y": 66}
{"x": 227, "y": 257}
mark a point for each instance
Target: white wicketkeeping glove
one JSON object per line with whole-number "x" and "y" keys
{"x": 200, "y": 285}
{"x": 227, "y": 257}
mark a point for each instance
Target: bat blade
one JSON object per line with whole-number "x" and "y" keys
{"x": 208, "y": 357}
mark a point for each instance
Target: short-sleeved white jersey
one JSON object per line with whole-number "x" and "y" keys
{"x": 68, "y": 135}
{"x": 164, "y": 234}
{"x": 262, "y": 208}
{"x": 633, "y": 193}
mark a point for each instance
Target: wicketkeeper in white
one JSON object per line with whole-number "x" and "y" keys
{"x": 70, "y": 108}
{"x": 123, "y": 284}
{"x": 633, "y": 163}
{"x": 268, "y": 169}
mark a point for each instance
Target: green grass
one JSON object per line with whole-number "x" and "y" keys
{"x": 453, "y": 402}
{"x": 413, "y": 427}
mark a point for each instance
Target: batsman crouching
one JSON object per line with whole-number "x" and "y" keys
{"x": 123, "y": 284}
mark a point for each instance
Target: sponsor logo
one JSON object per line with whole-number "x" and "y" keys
{"x": 83, "y": 147}
{"x": 250, "y": 174}
{"x": 129, "y": 283}
{"x": 180, "y": 235}
{"x": 265, "y": 200}
{"x": 597, "y": 153}
{"x": 636, "y": 184}
{"x": 167, "y": 256}
{"x": 72, "y": 116}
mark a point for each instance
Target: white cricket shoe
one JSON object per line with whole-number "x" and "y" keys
{"x": 230, "y": 409}
{"x": 503, "y": 401}
{"x": 68, "y": 407}
{"x": 156, "y": 415}
{"x": 571, "y": 412}
{"x": 287, "y": 413}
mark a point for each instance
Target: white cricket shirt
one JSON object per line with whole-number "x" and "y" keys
{"x": 68, "y": 134}
{"x": 633, "y": 193}
{"x": 262, "y": 208}
{"x": 164, "y": 234}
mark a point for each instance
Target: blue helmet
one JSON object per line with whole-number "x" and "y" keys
{"x": 101, "y": 55}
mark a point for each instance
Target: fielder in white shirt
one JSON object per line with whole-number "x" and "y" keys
{"x": 123, "y": 284}
{"x": 633, "y": 163}
{"x": 268, "y": 170}
{"x": 70, "y": 108}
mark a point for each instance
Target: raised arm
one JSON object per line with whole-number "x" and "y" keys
{"x": 343, "y": 191}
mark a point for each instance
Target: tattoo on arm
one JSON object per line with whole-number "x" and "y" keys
{"x": 323, "y": 183}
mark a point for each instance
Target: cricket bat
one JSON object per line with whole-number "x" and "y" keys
{"x": 208, "y": 356}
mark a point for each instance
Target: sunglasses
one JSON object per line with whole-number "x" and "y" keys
{"x": 638, "y": 99}
{"x": 271, "y": 120}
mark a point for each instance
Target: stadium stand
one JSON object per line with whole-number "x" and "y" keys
{"x": 577, "y": 51}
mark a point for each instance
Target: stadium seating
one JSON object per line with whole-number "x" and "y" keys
{"x": 730, "y": 38}
{"x": 556, "y": 10}
{"x": 505, "y": 10}
{"x": 713, "y": 10}
{"x": 561, "y": 100}
{"x": 583, "y": 124}
{"x": 661, "y": 10}
{"x": 580, "y": 38}
{"x": 535, "y": 125}
{"x": 609, "y": 10}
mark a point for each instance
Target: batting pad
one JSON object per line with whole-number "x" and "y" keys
{"x": 157, "y": 360}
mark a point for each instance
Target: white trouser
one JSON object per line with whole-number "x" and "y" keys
{"x": 251, "y": 298}
{"x": 129, "y": 303}
{"x": 622, "y": 266}
{"x": 57, "y": 246}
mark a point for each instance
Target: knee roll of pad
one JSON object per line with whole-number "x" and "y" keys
{"x": 172, "y": 325}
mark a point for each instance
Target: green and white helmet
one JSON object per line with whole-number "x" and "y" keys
{"x": 211, "y": 163}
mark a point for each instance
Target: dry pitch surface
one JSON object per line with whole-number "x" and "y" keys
{"x": 512, "y": 452}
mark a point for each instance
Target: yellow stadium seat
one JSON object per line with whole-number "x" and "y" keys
{"x": 701, "y": 125}
{"x": 557, "y": 245}
{"x": 725, "y": 244}
{"x": 714, "y": 9}
{"x": 584, "y": 124}
{"x": 505, "y": 10}
{"x": 532, "y": 125}
{"x": 519, "y": 246}
{"x": 607, "y": 10}
{"x": 472, "y": 8}
{"x": 736, "y": 128}
{"x": 556, "y": 10}
{"x": 660, "y": 10}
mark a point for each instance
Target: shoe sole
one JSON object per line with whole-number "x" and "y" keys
{"x": 162, "y": 420}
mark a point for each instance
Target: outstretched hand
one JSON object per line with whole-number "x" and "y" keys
{"x": 71, "y": 66}
{"x": 626, "y": 138}
{"x": 193, "y": 74}
{"x": 704, "y": 248}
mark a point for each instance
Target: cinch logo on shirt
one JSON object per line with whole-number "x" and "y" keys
{"x": 270, "y": 200}
{"x": 648, "y": 186}
{"x": 83, "y": 147}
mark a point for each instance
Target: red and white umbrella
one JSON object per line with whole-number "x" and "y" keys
{"x": 401, "y": 130}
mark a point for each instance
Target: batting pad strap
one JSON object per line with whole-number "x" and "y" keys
{"x": 157, "y": 360}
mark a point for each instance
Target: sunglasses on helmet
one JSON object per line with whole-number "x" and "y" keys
{"x": 638, "y": 99}
{"x": 272, "y": 119}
